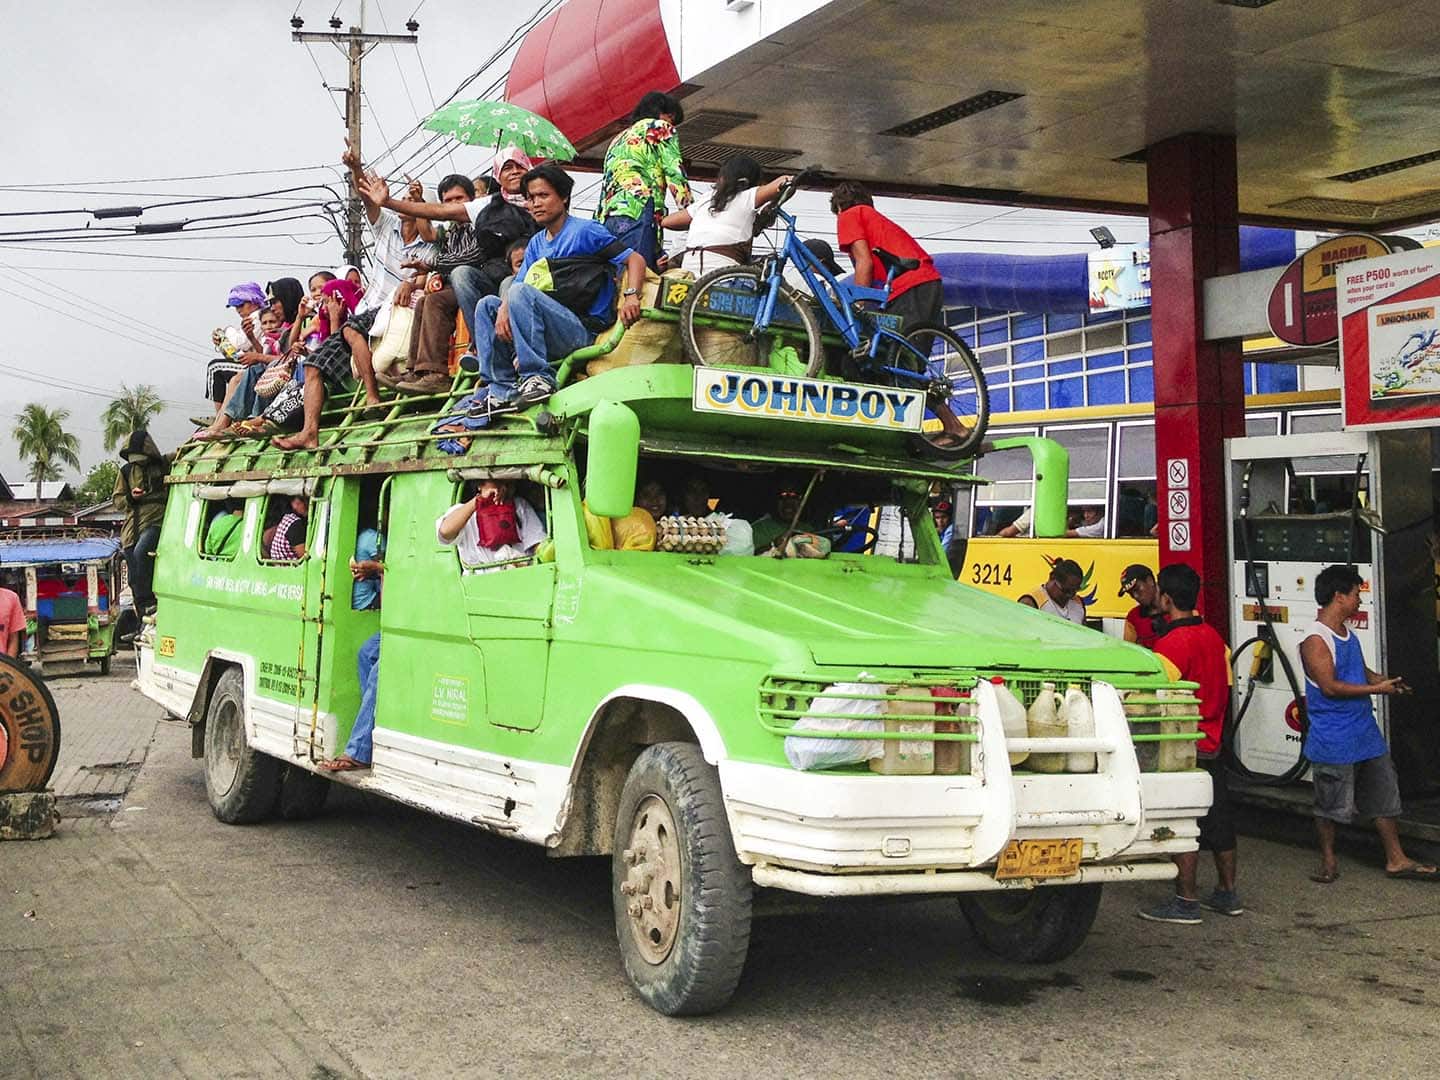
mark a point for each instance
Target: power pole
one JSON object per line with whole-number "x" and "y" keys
{"x": 355, "y": 45}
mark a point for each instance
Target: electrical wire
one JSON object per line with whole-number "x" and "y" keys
{"x": 99, "y": 326}
{"x": 189, "y": 201}
{"x": 164, "y": 179}
{"x": 329, "y": 91}
{"x": 73, "y": 296}
{"x": 134, "y": 255}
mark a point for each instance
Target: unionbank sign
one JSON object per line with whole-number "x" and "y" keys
{"x": 763, "y": 393}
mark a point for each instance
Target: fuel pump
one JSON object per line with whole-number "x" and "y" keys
{"x": 1300, "y": 503}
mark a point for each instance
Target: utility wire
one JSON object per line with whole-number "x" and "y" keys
{"x": 189, "y": 201}
{"x": 165, "y": 179}
{"x": 72, "y": 296}
{"x": 99, "y": 326}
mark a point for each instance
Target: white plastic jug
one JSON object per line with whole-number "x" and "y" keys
{"x": 1079, "y": 724}
{"x": 1043, "y": 722}
{"x": 1012, "y": 716}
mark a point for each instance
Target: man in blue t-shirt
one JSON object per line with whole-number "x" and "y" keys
{"x": 1351, "y": 768}
{"x": 563, "y": 295}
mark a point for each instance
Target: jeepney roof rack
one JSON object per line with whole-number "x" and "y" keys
{"x": 354, "y": 441}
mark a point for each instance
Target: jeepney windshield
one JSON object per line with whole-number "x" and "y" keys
{"x": 767, "y": 509}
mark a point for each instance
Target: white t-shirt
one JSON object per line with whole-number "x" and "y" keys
{"x": 386, "y": 276}
{"x": 532, "y": 531}
{"x": 1091, "y": 532}
{"x": 733, "y": 225}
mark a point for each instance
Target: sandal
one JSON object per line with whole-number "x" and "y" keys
{"x": 343, "y": 763}
{"x": 1325, "y": 877}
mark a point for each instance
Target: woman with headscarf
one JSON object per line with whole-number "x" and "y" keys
{"x": 471, "y": 262}
{"x": 285, "y": 295}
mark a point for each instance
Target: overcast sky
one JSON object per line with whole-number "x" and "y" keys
{"x": 139, "y": 91}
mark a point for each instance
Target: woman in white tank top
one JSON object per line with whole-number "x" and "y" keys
{"x": 722, "y": 226}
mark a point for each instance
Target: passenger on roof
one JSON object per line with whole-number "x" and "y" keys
{"x": 723, "y": 224}
{"x": 233, "y": 342}
{"x": 641, "y": 165}
{"x": 872, "y": 240}
{"x": 565, "y": 295}
{"x": 472, "y": 261}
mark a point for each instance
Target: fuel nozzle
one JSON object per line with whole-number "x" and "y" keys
{"x": 1262, "y": 662}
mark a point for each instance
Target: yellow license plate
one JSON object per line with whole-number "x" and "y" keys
{"x": 1039, "y": 859}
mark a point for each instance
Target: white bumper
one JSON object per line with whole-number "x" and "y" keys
{"x": 832, "y": 834}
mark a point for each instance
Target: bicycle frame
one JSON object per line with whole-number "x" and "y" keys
{"x": 824, "y": 286}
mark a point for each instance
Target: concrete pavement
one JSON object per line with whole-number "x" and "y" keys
{"x": 378, "y": 942}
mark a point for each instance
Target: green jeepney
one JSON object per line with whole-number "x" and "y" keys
{"x": 648, "y": 704}
{"x": 70, "y": 588}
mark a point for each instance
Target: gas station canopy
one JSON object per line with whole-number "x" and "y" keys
{"x": 1029, "y": 102}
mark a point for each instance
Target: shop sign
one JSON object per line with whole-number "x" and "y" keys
{"x": 1119, "y": 278}
{"x": 1390, "y": 341}
{"x": 1302, "y": 304}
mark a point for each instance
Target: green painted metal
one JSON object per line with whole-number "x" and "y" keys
{"x": 516, "y": 663}
{"x": 614, "y": 455}
{"x": 1052, "y": 481}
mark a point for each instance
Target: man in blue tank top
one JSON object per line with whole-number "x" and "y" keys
{"x": 1351, "y": 768}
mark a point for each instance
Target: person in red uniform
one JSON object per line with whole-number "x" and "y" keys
{"x": 1143, "y": 623}
{"x": 870, "y": 239}
{"x": 1192, "y": 650}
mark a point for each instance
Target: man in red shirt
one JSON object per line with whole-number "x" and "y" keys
{"x": 1143, "y": 623}
{"x": 1194, "y": 652}
{"x": 869, "y": 237}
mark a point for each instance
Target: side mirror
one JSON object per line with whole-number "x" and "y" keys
{"x": 1051, "y": 463}
{"x": 611, "y": 459}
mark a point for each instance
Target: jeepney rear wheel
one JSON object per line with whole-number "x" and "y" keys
{"x": 241, "y": 783}
{"x": 302, "y": 794}
{"x": 681, "y": 897}
{"x": 1033, "y": 926}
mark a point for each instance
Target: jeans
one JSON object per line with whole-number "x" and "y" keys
{"x": 541, "y": 328}
{"x": 638, "y": 233}
{"x": 243, "y": 403}
{"x": 470, "y": 284}
{"x": 367, "y": 665}
{"x": 140, "y": 559}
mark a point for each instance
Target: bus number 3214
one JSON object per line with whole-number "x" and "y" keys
{"x": 990, "y": 574}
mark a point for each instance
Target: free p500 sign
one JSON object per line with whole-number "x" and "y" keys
{"x": 763, "y": 393}
{"x": 1390, "y": 340}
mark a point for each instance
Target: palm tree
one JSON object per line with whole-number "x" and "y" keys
{"x": 131, "y": 411}
{"x": 43, "y": 441}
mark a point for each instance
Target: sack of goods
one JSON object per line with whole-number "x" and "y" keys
{"x": 698, "y": 535}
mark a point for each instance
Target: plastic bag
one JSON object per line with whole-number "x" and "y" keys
{"x": 840, "y": 714}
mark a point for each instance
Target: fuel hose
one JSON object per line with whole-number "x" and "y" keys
{"x": 1263, "y": 641}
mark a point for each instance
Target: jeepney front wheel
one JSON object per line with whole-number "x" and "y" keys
{"x": 682, "y": 898}
{"x": 242, "y": 783}
{"x": 1033, "y": 926}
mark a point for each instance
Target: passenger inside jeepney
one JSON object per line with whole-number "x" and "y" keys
{"x": 491, "y": 525}
{"x": 284, "y": 541}
{"x": 222, "y": 534}
{"x": 785, "y": 518}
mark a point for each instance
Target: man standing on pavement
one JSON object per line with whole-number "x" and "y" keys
{"x": 1194, "y": 652}
{"x": 1057, "y": 595}
{"x": 1143, "y": 623}
{"x": 1351, "y": 767}
{"x": 12, "y": 622}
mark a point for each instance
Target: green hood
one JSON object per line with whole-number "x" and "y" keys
{"x": 858, "y": 613}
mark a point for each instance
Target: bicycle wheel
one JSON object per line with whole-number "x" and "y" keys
{"x": 957, "y": 405}
{"x": 725, "y": 302}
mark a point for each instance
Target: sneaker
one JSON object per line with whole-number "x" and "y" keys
{"x": 1174, "y": 910}
{"x": 535, "y": 388}
{"x": 469, "y": 362}
{"x": 432, "y": 382}
{"x": 1224, "y": 902}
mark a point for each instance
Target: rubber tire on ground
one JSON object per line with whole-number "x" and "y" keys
{"x": 814, "y": 356}
{"x": 31, "y": 725}
{"x": 702, "y": 969}
{"x": 1033, "y": 926}
{"x": 302, "y": 793}
{"x": 252, "y": 793}
{"x": 105, "y": 665}
{"x": 971, "y": 443}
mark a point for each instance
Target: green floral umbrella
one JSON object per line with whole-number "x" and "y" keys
{"x": 499, "y": 124}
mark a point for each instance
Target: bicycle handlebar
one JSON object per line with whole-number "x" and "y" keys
{"x": 788, "y": 191}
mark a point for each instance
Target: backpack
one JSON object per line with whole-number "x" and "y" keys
{"x": 497, "y": 525}
{"x": 577, "y": 281}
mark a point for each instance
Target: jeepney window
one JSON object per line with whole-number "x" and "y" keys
{"x": 223, "y": 529}
{"x": 285, "y": 537}
{"x": 508, "y": 528}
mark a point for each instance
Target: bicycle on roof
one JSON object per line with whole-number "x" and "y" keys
{"x": 785, "y": 334}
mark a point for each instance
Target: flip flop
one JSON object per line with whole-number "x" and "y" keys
{"x": 1414, "y": 873}
{"x": 1325, "y": 877}
{"x": 343, "y": 763}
